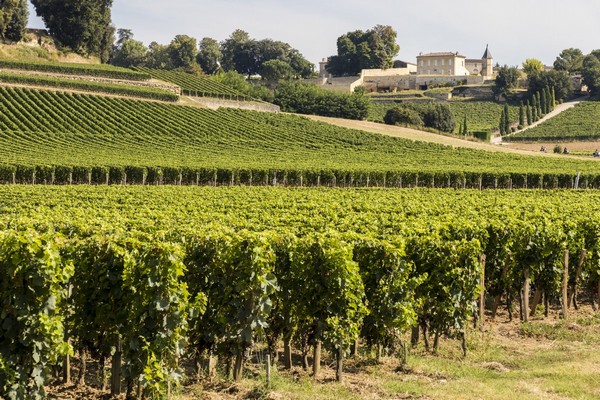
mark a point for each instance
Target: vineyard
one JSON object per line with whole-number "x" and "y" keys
{"x": 65, "y": 138}
{"x": 581, "y": 122}
{"x": 89, "y": 86}
{"x": 196, "y": 86}
{"x": 149, "y": 277}
{"x": 97, "y": 70}
{"x": 481, "y": 116}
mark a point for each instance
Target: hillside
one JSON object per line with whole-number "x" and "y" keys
{"x": 580, "y": 123}
{"x": 59, "y": 137}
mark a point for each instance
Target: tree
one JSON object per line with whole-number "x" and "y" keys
{"x": 591, "y": 72}
{"x": 440, "y": 117}
{"x": 276, "y": 70}
{"x": 127, "y": 51}
{"x": 82, "y": 25}
{"x": 506, "y": 79}
{"x": 358, "y": 50}
{"x": 529, "y": 116}
{"x": 559, "y": 80}
{"x": 506, "y": 119}
{"x": 534, "y": 108}
{"x": 570, "y": 61}
{"x": 158, "y": 56}
{"x": 543, "y": 101}
{"x": 183, "y": 51}
{"x": 14, "y": 15}
{"x": 403, "y": 116}
{"x": 532, "y": 66}
{"x": 209, "y": 55}
{"x": 501, "y": 124}
{"x": 521, "y": 115}
{"x": 465, "y": 131}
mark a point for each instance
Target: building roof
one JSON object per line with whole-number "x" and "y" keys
{"x": 487, "y": 53}
{"x": 442, "y": 54}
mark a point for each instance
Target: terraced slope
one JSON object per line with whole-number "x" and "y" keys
{"x": 59, "y": 138}
{"x": 581, "y": 122}
{"x": 194, "y": 85}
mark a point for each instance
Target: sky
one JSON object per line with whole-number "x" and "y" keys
{"x": 514, "y": 29}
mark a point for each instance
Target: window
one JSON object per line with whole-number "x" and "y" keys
{"x": 449, "y": 72}
{"x": 429, "y": 63}
{"x": 435, "y": 63}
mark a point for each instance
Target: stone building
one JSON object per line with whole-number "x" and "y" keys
{"x": 444, "y": 63}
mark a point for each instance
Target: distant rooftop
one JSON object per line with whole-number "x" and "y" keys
{"x": 442, "y": 54}
{"x": 487, "y": 53}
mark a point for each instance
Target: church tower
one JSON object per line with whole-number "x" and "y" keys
{"x": 487, "y": 69}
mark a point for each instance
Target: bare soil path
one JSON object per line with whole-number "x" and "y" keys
{"x": 413, "y": 134}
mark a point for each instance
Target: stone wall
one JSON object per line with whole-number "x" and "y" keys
{"x": 214, "y": 104}
{"x": 475, "y": 92}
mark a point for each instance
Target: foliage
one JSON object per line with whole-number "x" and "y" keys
{"x": 183, "y": 51}
{"x": 559, "y": 80}
{"x": 209, "y": 55}
{"x": 506, "y": 80}
{"x": 439, "y": 116}
{"x": 128, "y": 52}
{"x": 358, "y": 50}
{"x": 403, "y": 116}
{"x": 532, "y": 66}
{"x": 14, "y": 15}
{"x": 591, "y": 73}
{"x": 570, "y": 61}
{"x": 276, "y": 70}
{"x": 83, "y": 25}
{"x": 247, "y": 56}
{"x": 310, "y": 99}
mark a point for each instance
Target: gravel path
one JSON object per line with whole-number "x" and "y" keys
{"x": 497, "y": 139}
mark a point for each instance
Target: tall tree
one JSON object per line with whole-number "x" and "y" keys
{"x": 569, "y": 60}
{"x": 506, "y": 79}
{"x": 14, "y": 15}
{"x": 83, "y": 25}
{"x": 183, "y": 50}
{"x": 529, "y": 116}
{"x": 209, "y": 55}
{"x": 358, "y": 50}
{"x": 128, "y": 52}
{"x": 591, "y": 72}
{"x": 506, "y": 119}
{"x": 521, "y": 115}
{"x": 232, "y": 50}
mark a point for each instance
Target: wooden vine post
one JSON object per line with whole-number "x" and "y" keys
{"x": 482, "y": 294}
{"x": 565, "y": 285}
{"x": 525, "y": 300}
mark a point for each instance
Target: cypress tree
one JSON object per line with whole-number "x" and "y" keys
{"x": 534, "y": 109}
{"x": 465, "y": 127}
{"x": 549, "y": 105}
{"x": 506, "y": 119}
{"x": 538, "y": 105}
{"x": 501, "y": 125}
{"x": 543, "y": 102}
{"x": 553, "y": 96}
{"x": 521, "y": 115}
{"x": 529, "y": 116}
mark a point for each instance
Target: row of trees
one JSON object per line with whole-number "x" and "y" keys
{"x": 240, "y": 53}
{"x": 541, "y": 103}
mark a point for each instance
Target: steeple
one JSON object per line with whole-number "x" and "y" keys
{"x": 487, "y": 53}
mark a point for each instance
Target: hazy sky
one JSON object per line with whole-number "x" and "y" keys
{"x": 514, "y": 29}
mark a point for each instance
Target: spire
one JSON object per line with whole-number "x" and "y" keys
{"x": 487, "y": 53}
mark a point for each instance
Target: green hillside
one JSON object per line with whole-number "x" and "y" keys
{"x": 581, "y": 122}
{"x": 57, "y": 137}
